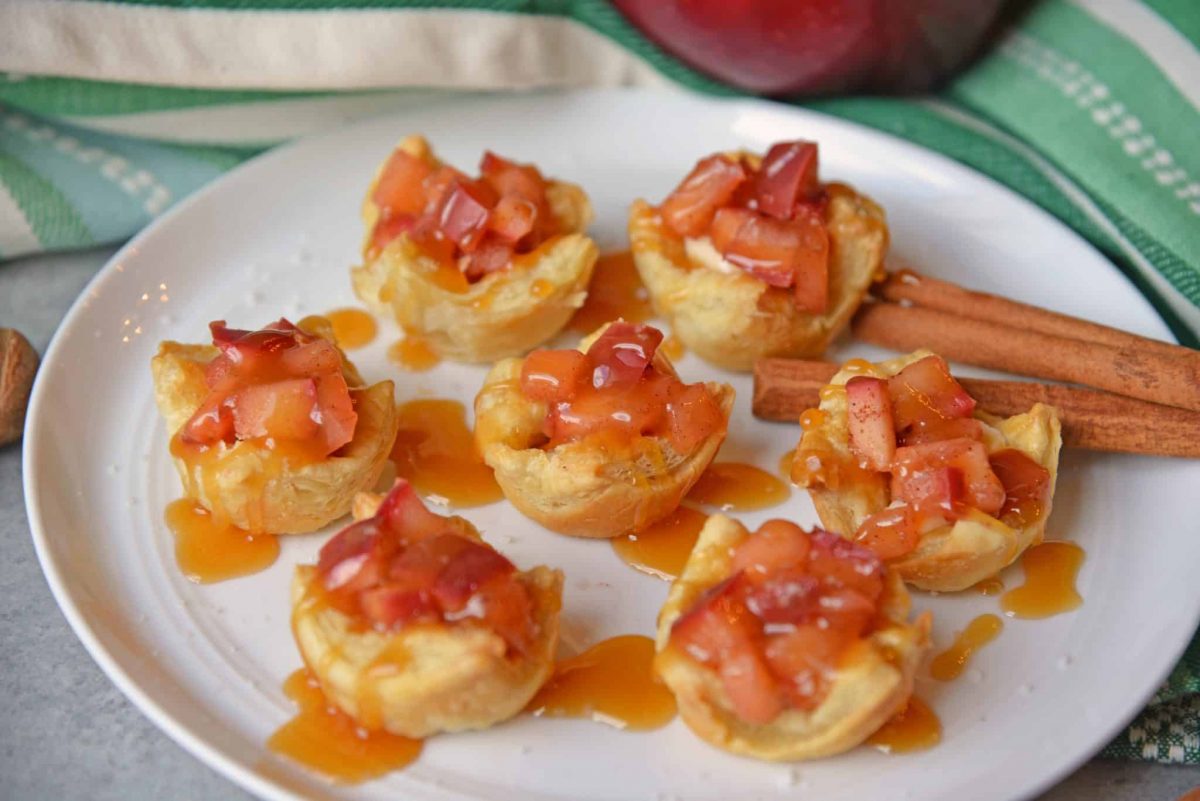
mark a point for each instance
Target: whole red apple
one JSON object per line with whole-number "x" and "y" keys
{"x": 814, "y": 47}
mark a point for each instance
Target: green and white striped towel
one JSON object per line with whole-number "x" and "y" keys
{"x": 112, "y": 111}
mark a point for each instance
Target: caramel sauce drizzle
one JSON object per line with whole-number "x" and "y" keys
{"x": 208, "y": 550}
{"x": 785, "y": 464}
{"x": 325, "y": 739}
{"x": 662, "y": 549}
{"x": 949, "y": 664}
{"x": 615, "y": 291}
{"x": 739, "y": 487}
{"x": 612, "y": 682}
{"x": 352, "y": 328}
{"x": 435, "y": 451}
{"x": 1049, "y": 588}
{"x": 914, "y": 728}
{"x": 413, "y": 353}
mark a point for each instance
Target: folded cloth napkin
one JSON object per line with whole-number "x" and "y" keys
{"x": 112, "y": 111}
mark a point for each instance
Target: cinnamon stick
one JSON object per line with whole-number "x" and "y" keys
{"x": 1131, "y": 370}
{"x": 906, "y": 286}
{"x": 1091, "y": 420}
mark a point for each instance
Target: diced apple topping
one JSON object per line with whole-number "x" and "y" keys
{"x": 616, "y": 390}
{"x": 277, "y": 383}
{"x": 776, "y": 629}
{"x": 918, "y": 427}
{"x": 768, "y": 221}
{"x": 924, "y": 393}
{"x": 872, "y": 430}
{"x": 408, "y": 566}
{"x": 478, "y": 224}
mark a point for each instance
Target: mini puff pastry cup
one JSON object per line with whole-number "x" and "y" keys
{"x": 873, "y": 682}
{"x": 505, "y": 313}
{"x": 256, "y": 489}
{"x": 952, "y": 557}
{"x": 424, "y": 679}
{"x": 732, "y": 319}
{"x": 578, "y": 488}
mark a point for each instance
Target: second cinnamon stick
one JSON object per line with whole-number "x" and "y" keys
{"x": 1092, "y": 420}
{"x": 1136, "y": 372}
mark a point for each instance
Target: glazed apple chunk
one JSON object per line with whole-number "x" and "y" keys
{"x": 482, "y": 267}
{"x": 478, "y": 224}
{"x": 948, "y": 494}
{"x": 601, "y": 440}
{"x": 766, "y": 219}
{"x": 787, "y": 644}
{"x": 753, "y": 256}
{"x": 272, "y": 428}
{"x": 412, "y": 623}
{"x": 276, "y": 383}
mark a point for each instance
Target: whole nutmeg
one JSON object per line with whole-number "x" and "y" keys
{"x": 18, "y": 363}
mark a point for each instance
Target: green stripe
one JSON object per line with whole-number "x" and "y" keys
{"x": 925, "y": 127}
{"x": 78, "y": 97}
{"x": 49, "y": 213}
{"x": 1034, "y": 105}
{"x": 1183, "y": 15}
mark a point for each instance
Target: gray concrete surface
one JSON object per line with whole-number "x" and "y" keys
{"x": 66, "y": 733}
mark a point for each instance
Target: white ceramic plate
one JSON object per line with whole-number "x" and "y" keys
{"x": 278, "y": 236}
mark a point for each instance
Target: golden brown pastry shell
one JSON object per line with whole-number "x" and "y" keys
{"x": 733, "y": 319}
{"x": 505, "y": 313}
{"x": 582, "y": 488}
{"x": 952, "y": 557}
{"x": 873, "y": 682}
{"x": 424, "y": 679}
{"x": 253, "y": 487}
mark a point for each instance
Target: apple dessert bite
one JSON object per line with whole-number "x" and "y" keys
{"x": 785, "y": 644}
{"x": 599, "y": 441}
{"x": 482, "y": 268}
{"x": 753, "y": 256}
{"x": 272, "y": 430}
{"x": 899, "y": 458}
{"x": 413, "y": 624}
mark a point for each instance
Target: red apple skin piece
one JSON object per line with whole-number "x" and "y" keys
{"x": 983, "y": 489}
{"x": 788, "y": 174}
{"x": 403, "y": 512}
{"x": 336, "y": 411}
{"x": 872, "y": 430}
{"x": 464, "y": 214}
{"x": 282, "y": 410}
{"x": 937, "y": 491}
{"x": 622, "y": 353}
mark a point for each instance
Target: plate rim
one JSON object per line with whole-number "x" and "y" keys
{"x": 196, "y": 745}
